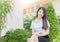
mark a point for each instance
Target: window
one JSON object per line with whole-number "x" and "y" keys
{"x": 24, "y": 11}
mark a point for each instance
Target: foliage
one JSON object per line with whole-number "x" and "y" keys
{"x": 5, "y": 8}
{"x": 27, "y": 22}
{"x": 54, "y": 24}
{"x": 18, "y": 35}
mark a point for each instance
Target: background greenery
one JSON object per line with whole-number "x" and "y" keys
{"x": 54, "y": 28}
{"x": 18, "y": 35}
{"x": 5, "y": 8}
{"x": 27, "y": 22}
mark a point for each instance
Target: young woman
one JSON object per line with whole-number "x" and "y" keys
{"x": 40, "y": 26}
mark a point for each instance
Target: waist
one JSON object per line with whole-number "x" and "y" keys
{"x": 40, "y": 31}
{"x": 44, "y": 36}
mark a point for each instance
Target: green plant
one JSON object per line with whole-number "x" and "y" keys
{"x": 18, "y": 35}
{"x": 27, "y": 22}
{"x": 5, "y": 8}
{"x": 59, "y": 21}
{"x": 54, "y": 28}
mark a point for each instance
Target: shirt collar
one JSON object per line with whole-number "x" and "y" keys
{"x": 36, "y": 20}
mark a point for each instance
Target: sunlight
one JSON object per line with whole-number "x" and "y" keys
{"x": 25, "y": 2}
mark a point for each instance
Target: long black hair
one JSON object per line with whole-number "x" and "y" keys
{"x": 45, "y": 25}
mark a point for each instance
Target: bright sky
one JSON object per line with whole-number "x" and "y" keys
{"x": 25, "y": 2}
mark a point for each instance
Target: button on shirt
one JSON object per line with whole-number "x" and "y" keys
{"x": 37, "y": 25}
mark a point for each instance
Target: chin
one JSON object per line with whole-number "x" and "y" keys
{"x": 40, "y": 16}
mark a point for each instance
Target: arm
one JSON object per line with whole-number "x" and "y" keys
{"x": 33, "y": 31}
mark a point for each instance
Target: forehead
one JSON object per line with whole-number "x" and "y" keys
{"x": 41, "y": 10}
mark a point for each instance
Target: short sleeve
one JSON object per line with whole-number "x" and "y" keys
{"x": 32, "y": 25}
{"x": 48, "y": 23}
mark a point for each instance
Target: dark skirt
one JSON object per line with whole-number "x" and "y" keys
{"x": 43, "y": 39}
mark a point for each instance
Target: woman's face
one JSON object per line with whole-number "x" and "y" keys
{"x": 40, "y": 13}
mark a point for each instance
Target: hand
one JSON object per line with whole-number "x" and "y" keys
{"x": 37, "y": 33}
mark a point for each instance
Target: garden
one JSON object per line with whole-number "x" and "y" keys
{"x": 21, "y": 35}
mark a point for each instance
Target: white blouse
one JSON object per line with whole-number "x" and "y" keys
{"x": 37, "y": 25}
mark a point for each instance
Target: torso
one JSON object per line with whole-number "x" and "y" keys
{"x": 38, "y": 26}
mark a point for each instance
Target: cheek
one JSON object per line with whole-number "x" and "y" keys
{"x": 42, "y": 15}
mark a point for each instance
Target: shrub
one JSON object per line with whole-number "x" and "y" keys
{"x": 18, "y": 35}
{"x": 27, "y": 22}
{"x": 53, "y": 22}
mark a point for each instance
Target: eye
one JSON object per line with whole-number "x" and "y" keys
{"x": 39, "y": 11}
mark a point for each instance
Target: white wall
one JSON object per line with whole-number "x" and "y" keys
{"x": 15, "y": 19}
{"x": 56, "y": 4}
